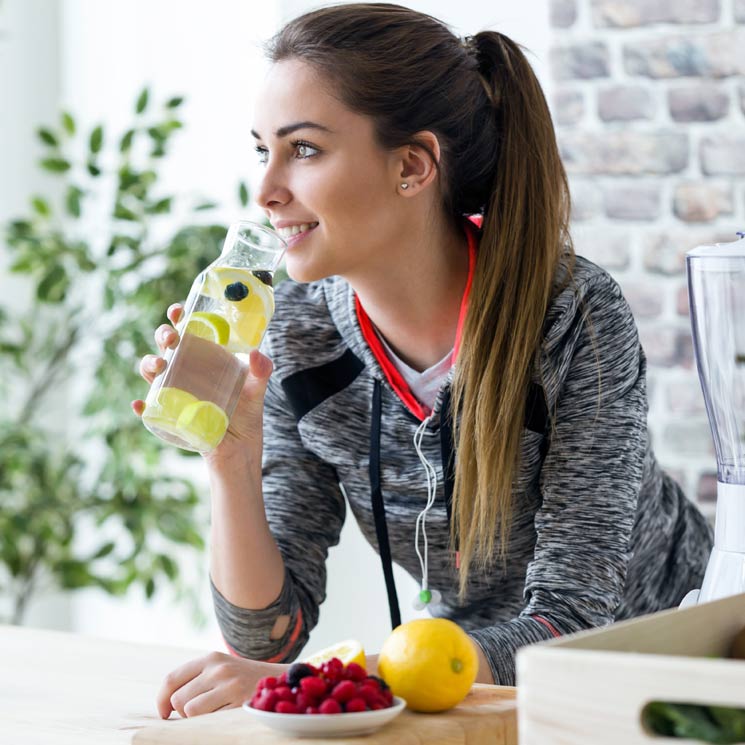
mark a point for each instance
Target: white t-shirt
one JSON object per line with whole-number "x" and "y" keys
{"x": 424, "y": 385}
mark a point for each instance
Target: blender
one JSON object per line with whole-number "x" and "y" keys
{"x": 716, "y": 289}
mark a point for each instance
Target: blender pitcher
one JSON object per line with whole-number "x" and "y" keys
{"x": 716, "y": 287}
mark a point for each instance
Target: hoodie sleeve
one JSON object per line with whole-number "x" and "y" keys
{"x": 594, "y": 373}
{"x": 305, "y": 510}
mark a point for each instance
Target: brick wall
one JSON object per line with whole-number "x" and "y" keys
{"x": 649, "y": 104}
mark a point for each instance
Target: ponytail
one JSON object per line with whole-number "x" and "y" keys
{"x": 525, "y": 232}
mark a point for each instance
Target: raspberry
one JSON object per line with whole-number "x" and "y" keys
{"x": 315, "y": 687}
{"x": 355, "y": 704}
{"x": 388, "y": 696}
{"x": 282, "y": 679}
{"x": 333, "y": 668}
{"x": 283, "y": 693}
{"x": 330, "y": 706}
{"x": 378, "y": 706}
{"x": 267, "y": 700}
{"x": 369, "y": 694}
{"x": 344, "y": 691}
{"x": 355, "y": 672}
{"x": 286, "y": 707}
{"x": 372, "y": 682}
{"x": 303, "y": 701}
{"x": 297, "y": 672}
{"x": 312, "y": 710}
{"x": 268, "y": 682}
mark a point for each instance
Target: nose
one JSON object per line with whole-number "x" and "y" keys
{"x": 272, "y": 191}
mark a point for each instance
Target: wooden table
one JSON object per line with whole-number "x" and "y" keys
{"x": 60, "y": 688}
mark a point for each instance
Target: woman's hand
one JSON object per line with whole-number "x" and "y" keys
{"x": 217, "y": 681}
{"x": 246, "y": 422}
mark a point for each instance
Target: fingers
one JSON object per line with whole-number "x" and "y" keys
{"x": 150, "y": 366}
{"x": 174, "y": 313}
{"x": 259, "y": 365}
{"x": 166, "y": 337}
{"x": 175, "y": 680}
{"x": 138, "y": 406}
{"x": 209, "y": 701}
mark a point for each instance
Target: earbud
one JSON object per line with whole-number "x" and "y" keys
{"x": 425, "y": 598}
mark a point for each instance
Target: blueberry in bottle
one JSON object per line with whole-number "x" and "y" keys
{"x": 236, "y": 291}
{"x": 265, "y": 277}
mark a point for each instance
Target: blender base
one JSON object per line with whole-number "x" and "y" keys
{"x": 725, "y": 572}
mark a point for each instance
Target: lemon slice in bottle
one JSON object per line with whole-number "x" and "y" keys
{"x": 210, "y": 326}
{"x": 248, "y": 304}
{"x": 202, "y": 424}
{"x": 347, "y": 651}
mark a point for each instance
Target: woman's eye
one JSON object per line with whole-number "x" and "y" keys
{"x": 263, "y": 154}
{"x": 305, "y": 150}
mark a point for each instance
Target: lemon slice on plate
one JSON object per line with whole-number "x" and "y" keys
{"x": 168, "y": 405}
{"x": 347, "y": 651}
{"x": 247, "y": 301}
{"x": 202, "y": 424}
{"x": 210, "y": 326}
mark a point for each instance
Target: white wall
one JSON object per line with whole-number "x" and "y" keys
{"x": 29, "y": 92}
{"x": 208, "y": 52}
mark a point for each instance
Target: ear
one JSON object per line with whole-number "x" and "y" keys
{"x": 414, "y": 164}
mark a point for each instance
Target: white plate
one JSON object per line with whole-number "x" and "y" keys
{"x": 328, "y": 725}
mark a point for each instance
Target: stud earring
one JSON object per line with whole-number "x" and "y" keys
{"x": 404, "y": 186}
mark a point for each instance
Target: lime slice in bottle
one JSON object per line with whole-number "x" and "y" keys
{"x": 202, "y": 424}
{"x": 210, "y": 326}
{"x": 168, "y": 405}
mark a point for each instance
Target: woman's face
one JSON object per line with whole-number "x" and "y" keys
{"x": 323, "y": 168}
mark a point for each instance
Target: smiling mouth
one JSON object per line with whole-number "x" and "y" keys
{"x": 296, "y": 229}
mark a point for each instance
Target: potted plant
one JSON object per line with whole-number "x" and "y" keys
{"x": 87, "y": 497}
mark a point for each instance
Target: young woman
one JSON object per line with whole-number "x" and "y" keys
{"x": 422, "y": 359}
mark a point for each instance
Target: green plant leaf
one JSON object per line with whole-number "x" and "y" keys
{"x": 93, "y": 169}
{"x": 96, "y": 140}
{"x": 53, "y": 285}
{"x": 105, "y": 550}
{"x": 149, "y": 588}
{"x": 125, "y": 144}
{"x": 55, "y": 165}
{"x": 142, "y": 100}
{"x": 161, "y": 207}
{"x": 243, "y": 193}
{"x": 174, "y": 102}
{"x": 68, "y": 123}
{"x": 47, "y": 136}
{"x": 41, "y": 206}
{"x": 205, "y": 206}
{"x": 123, "y": 213}
{"x": 72, "y": 200}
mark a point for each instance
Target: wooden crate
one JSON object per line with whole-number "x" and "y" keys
{"x": 590, "y": 688}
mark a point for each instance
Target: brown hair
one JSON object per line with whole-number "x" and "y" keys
{"x": 499, "y": 157}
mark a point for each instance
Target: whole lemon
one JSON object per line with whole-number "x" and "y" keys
{"x": 430, "y": 662}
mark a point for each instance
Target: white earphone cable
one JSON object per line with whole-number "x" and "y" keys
{"x": 431, "y": 493}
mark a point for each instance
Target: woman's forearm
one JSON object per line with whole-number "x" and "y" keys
{"x": 245, "y": 563}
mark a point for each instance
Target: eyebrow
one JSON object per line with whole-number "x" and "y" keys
{"x": 290, "y": 128}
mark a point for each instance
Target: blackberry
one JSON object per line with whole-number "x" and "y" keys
{"x": 237, "y": 291}
{"x": 265, "y": 277}
{"x": 383, "y": 685}
{"x": 297, "y": 672}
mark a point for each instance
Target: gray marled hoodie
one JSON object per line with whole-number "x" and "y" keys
{"x": 599, "y": 533}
